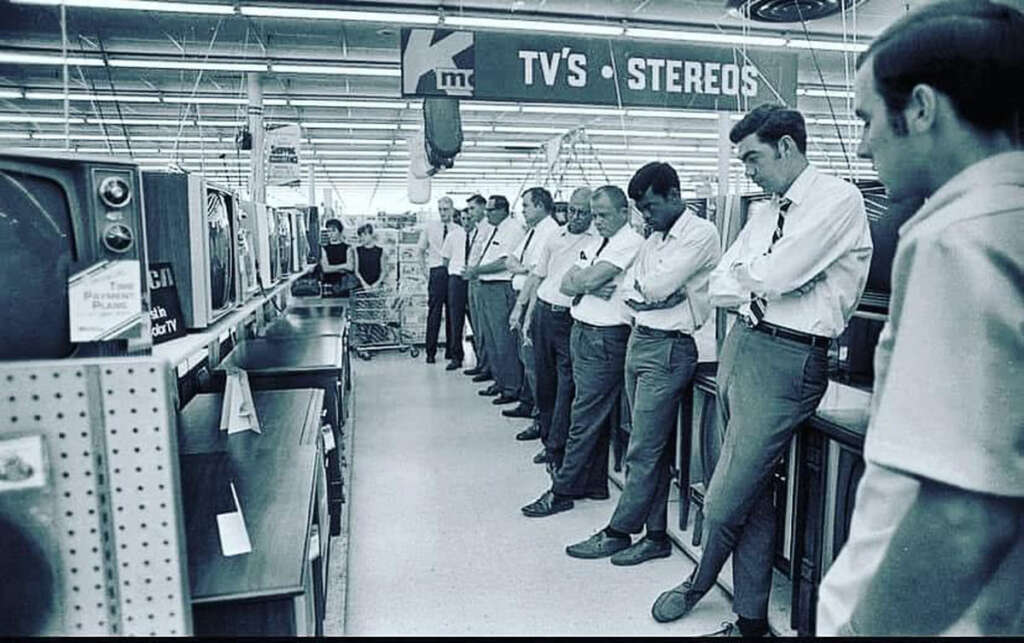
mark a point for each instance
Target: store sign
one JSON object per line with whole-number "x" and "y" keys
{"x": 566, "y": 69}
{"x": 104, "y": 300}
{"x": 165, "y": 318}
{"x": 283, "y": 154}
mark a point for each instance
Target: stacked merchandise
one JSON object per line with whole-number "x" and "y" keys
{"x": 412, "y": 285}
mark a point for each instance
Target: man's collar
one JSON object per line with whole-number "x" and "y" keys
{"x": 681, "y": 222}
{"x": 801, "y": 187}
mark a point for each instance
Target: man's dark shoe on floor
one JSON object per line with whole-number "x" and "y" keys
{"x": 600, "y": 545}
{"x": 490, "y": 391}
{"x": 531, "y": 432}
{"x": 472, "y": 371}
{"x": 521, "y": 411}
{"x": 453, "y": 365}
{"x": 504, "y": 399}
{"x": 431, "y": 359}
{"x": 754, "y": 630}
{"x": 643, "y": 550}
{"x": 597, "y": 495}
{"x": 547, "y": 505}
{"x": 675, "y": 603}
{"x": 483, "y": 377}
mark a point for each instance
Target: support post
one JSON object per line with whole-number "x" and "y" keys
{"x": 257, "y": 181}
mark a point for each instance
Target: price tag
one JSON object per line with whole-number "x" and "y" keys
{"x": 328, "y": 433}
{"x": 234, "y": 537}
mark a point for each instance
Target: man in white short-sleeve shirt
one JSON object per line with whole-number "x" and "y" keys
{"x": 598, "y": 344}
{"x": 936, "y": 540}
{"x": 453, "y": 254}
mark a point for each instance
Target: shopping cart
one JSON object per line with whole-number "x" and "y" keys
{"x": 376, "y": 323}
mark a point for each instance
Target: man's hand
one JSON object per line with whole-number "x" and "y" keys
{"x": 604, "y": 292}
{"x": 469, "y": 273}
{"x": 514, "y": 317}
{"x": 674, "y": 299}
{"x": 527, "y": 333}
{"x": 809, "y": 286}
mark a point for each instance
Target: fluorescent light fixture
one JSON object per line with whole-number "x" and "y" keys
{"x": 627, "y": 132}
{"x": 363, "y": 104}
{"x": 711, "y": 136}
{"x": 839, "y": 121}
{"x": 337, "y": 14}
{"x": 74, "y": 137}
{"x": 361, "y": 153}
{"x": 152, "y": 122}
{"x": 14, "y": 135}
{"x": 487, "y": 107}
{"x": 220, "y": 123}
{"x": 534, "y": 25}
{"x": 351, "y": 141}
{"x": 18, "y": 58}
{"x": 583, "y": 111}
{"x": 342, "y": 70}
{"x": 123, "y": 98}
{"x": 523, "y": 144}
{"x": 821, "y": 93}
{"x": 275, "y": 101}
{"x": 137, "y": 5}
{"x": 672, "y": 113}
{"x": 528, "y": 129}
{"x": 827, "y": 45}
{"x": 37, "y": 118}
{"x": 10, "y": 93}
{"x": 330, "y": 125}
{"x": 701, "y": 36}
{"x": 181, "y": 139}
{"x": 205, "y": 100}
{"x": 203, "y": 65}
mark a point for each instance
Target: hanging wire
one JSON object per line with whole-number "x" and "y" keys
{"x": 113, "y": 91}
{"x": 195, "y": 86}
{"x": 95, "y": 104}
{"x": 64, "y": 73}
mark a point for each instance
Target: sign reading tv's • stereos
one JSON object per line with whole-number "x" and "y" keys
{"x": 557, "y": 69}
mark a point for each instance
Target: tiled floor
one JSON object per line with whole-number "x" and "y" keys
{"x": 438, "y": 545}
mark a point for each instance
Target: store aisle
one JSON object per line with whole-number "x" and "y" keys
{"x": 438, "y": 545}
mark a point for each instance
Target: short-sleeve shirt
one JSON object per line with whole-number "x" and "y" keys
{"x": 477, "y": 239}
{"x": 529, "y": 249}
{"x": 454, "y": 250}
{"x": 432, "y": 238}
{"x": 949, "y": 371}
{"x": 560, "y": 254}
{"x": 620, "y": 251}
{"x": 499, "y": 244}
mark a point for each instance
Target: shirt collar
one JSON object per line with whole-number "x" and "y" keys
{"x": 677, "y": 228}
{"x": 1000, "y": 169}
{"x": 801, "y": 187}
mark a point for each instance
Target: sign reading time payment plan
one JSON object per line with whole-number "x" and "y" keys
{"x": 104, "y": 300}
{"x": 557, "y": 69}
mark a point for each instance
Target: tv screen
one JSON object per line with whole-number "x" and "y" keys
{"x": 885, "y": 218}
{"x": 37, "y": 247}
{"x": 284, "y": 242}
{"x": 220, "y": 219}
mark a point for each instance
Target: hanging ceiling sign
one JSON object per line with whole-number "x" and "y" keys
{"x": 282, "y": 144}
{"x": 596, "y": 71}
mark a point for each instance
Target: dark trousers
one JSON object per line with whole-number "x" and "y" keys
{"x": 767, "y": 386}
{"x": 525, "y": 355}
{"x": 457, "y": 292}
{"x": 553, "y": 366}
{"x": 476, "y": 318}
{"x": 437, "y": 301}
{"x": 658, "y": 370}
{"x": 496, "y": 300}
{"x": 598, "y": 356}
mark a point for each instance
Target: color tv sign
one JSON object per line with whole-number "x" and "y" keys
{"x": 566, "y": 69}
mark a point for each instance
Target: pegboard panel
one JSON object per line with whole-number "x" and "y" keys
{"x": 90, "y": 424}
{"x": 145, "y": 509}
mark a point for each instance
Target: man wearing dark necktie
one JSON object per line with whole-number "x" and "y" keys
{"x": 454, "y": 253}
{"x": 430, "y": 243}
{"x": 599, "y": 334}
{"x": 795, "y": 273}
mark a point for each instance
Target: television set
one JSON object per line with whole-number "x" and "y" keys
{"x": 191, "y": 224}
{"x": 67, "y": 219}
{"x": 285, "y": 243}
{"x": 247, "y": 246}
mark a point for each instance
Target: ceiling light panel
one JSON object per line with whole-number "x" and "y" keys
{"x": 201, "y": 65}
{"x": 18, "y": 58}
{"x": 138, "y": 5}
{"x": 354, "y": 126}
{"x": 343, "y": 70}
{"x": 700, "y": 36}
{"x": 338, "y": 14}
{"x": 37, "y": 118}
{"x": 205, "y": 100}
{"x": 123, "y": 98}
{"x": 533, "y": 25}
{"x": 358, "y": 104}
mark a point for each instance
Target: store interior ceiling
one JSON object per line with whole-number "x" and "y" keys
{"x": 166, "y": 83}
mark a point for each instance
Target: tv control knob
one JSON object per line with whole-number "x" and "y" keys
{"x": 118, "y": 237}
{"x": 115, "y": 192}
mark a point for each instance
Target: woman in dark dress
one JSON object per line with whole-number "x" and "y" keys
{"x": 337, "y": 261}
{"x": 371, "y": 264}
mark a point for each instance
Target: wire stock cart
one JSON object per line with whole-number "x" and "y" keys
{"x": 377, "y": 318}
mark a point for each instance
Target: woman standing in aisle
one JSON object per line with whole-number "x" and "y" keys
{"x": 371, "y": 263}
{"x": 337, "y": 261}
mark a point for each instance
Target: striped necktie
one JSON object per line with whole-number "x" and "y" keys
{"x": 465, "y": 252}
{"x": 604, "y": 242}
{"x": 526, "y": 245}
{"x": 758, "y": 305}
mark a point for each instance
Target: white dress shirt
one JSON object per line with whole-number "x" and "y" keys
{"x": 529, "y": 249}
{"x": 558, "y": 255}
{"x": 500, "y": 243}
{"x": 432, "y": 238}
{"x": 454, "y": 250}
{"x": 825, "y": 247}
{"x": 685, "y": 256}
{"x": 620, "y": 251}
{"x": 477, "y": 239}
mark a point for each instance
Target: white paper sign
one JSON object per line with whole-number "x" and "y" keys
{"x": 21, "y": 463}
{"x": 283, "y": 154}
{"x": 104, "y": 300}
{"x": 234, "y": 537}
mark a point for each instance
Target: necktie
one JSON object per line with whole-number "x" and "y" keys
{"x": 465, "y": 252}
{"x": 758, "y": 305}
{"x": 604, "y": 242}
{"x": 444, "y": 234}
{"x": 526, "y": 245}
{"x": 484, "y": 251}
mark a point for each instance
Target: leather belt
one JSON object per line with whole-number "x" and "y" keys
{"x": 793, "y": 335}
{"x": 555, "y": 308}
{"x": 658, "y": 332}
{"x": 617, "y": 327}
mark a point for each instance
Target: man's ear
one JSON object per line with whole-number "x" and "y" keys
{"x": 922, "y": 109}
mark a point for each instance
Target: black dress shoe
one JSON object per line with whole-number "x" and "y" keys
{"x": 431, "y": 359}
{"x": 483, "y": 377}
{"x": 504, "y": 399}
{"x": 542, "y": 456}
{"x": 643, "y": 550}
{"x": 472, "y": 371}
{"x": 490, "y": 391}
{"x": 547, "y": 505}
{"x": 597, "y": 495}
{"x": 529, "y": 433}
{"x": 453, "y": 365}
{"x": 521, "y": 411}
{"x": 600, "y": 545}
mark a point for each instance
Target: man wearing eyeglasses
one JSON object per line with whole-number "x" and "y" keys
{"x": 476, "y": 208}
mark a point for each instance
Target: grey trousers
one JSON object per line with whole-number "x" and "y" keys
{"x": 658, "y": 370}
{"x": 476, "y": 322}
{"x": 598, "y": 358}
{"x": 496, "y": 300}
{"x": 767, "y": 386}
{"x": 529, "y": 386}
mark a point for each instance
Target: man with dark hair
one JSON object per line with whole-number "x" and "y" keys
{"x": 479, "y": 235}
{"x": 667, "y": 292}
{"x": 496, "y": 298}
{"x": 430, "y": 242}
{"x": 598, "y": 343}
{"x": 936, "y": 541}
{"x": 454, "y": 253}
{"x": 795, "y": 273}
{"x": 537, "y": 208}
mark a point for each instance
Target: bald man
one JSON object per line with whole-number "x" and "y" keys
{"x": 431, "y": 242}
